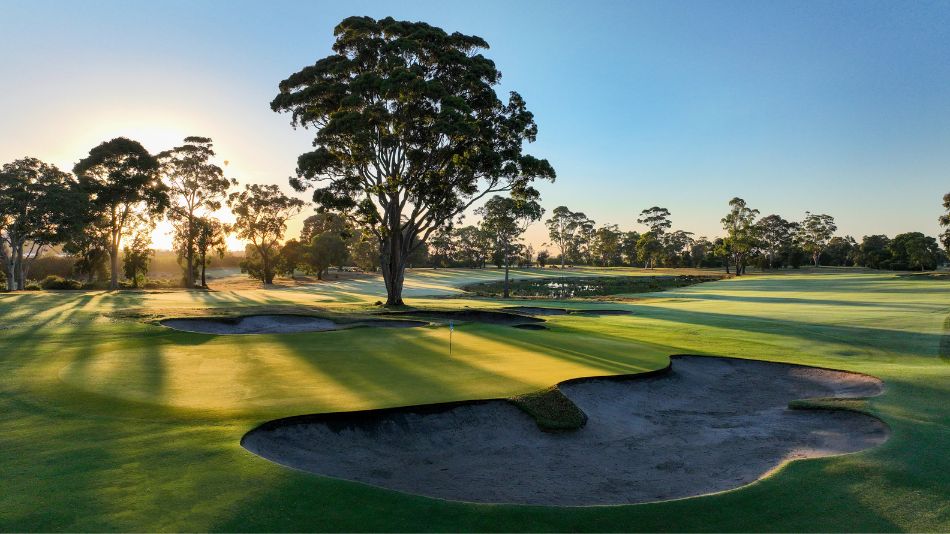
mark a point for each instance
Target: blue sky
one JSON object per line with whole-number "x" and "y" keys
{"x": 836, "y": 107}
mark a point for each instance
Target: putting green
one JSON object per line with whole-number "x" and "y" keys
{"x": 116, "y": 424}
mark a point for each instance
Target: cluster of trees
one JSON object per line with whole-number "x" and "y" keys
{"x": 103, "y": 213}
{"x": 578, "y": 239}
{"x": 409, "y": 135}
{"x": 326, "y": 240}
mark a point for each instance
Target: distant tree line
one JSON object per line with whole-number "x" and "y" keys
{"x": 409, "y": 135}
{"x": 769, "y": 242}
{"x": 100, "y": 217}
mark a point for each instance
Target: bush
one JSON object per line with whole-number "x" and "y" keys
{"x": 32, "y": 285}
{"x": 58, "y": 282}
{"x": 51, "y": 264}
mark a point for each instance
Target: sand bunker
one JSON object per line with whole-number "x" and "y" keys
{"x": 274, "y": 324}
{"x": 537, "y": 310}
{"x": 710, "y": 424}
{"x": 474, "y": 316}
{"x": 531, "y": 326}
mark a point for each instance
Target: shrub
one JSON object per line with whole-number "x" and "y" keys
{"x": 58, "y": 282}
{"x": 32, "y": 285}
{"x": 52, "y": 264}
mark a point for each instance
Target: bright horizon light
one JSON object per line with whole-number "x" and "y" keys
{"x": 838, "y": 108}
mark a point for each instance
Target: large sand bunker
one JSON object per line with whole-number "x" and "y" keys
{"x": 537, "y": 310}
{"x": 474, "y": 316}
{"x": 274, "y": 324}
{"x": 709, "y": 424}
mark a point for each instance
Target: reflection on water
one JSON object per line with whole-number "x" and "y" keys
{"x": 565, "y": 288}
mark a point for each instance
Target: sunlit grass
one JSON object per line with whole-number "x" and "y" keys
{"x": 110, "y": 423}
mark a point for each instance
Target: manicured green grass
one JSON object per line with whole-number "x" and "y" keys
{"x": 110, "y": 423}
{"x": 551, "y": 409}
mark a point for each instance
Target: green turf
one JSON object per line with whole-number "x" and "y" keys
{"x": 110, "y": 423}
{"x": 551, "y": 409}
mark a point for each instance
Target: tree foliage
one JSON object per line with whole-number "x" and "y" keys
{"x": 944, "y": 221}
{"x": 39, "y": 206}
{"x": 814, "y": 233}
{"x": 505, "y": 219}
{"x": 210, "y": 239}
{"x": 410, "y": 132}
{"x": 196, "y": 188}
{"x": 137, "y": 254}
{"x": 262, "y": 212}
{"x": 656, "y": 219}
{"x": 123, "y": 183}
{"x": 776, "y": 236}
{"x": 741, "y": 238}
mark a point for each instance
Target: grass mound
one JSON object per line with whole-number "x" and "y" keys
{"x": 551, "y": 410}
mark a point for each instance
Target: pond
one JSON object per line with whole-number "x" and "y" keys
{"x": 564, "y": 288}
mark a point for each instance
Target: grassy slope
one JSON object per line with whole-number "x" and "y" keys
{"x": 117, "y": 425}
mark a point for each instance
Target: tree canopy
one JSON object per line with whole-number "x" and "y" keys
{"x": 123, "y": 183}
{"x": 196, "y": 187}
{"x": 945, "y": 222}
{"x": 814, "y": 233}
{"x": 506, "y": 218}
{"x": 657, "y": 219}
{"x": 741, "y": 239}
{"x": 262, "y": 212}
{"x": 410, "y": 132}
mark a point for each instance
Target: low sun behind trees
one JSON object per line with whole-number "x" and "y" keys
{"x": 196, "y": 188}
{"x": 410, "y": 133}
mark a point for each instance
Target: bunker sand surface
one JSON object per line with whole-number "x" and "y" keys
{"x": 707, "y": 425}
{"x": 275, "y": 324}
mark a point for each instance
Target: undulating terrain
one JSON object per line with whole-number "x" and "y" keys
{"x": 110, "y": 421}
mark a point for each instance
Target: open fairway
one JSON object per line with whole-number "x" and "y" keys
{"x": 109, "y": 421}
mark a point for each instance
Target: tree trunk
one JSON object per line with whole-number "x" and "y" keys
{"x": 393, "y": 268}
{"x": 114, "y": 261}
{"x": 190, "y": 254}
{"x": 507, "y": 262}
{"x": 203, "y": 265}
{"x": 8, "y": 267}
{"x": 727, "y": 266}
{"x": 394, "y": 250}
{"x": 18, "y": 267}
{"x": 266, "y": 275}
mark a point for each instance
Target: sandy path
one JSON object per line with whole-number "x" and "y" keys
{"x": 709, "y": 425}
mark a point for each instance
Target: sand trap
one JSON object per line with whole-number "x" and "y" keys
{"x": 274, "y": 324}
{"x": 710, "y": 424}
{"x": 537, "y": 310}
{"x": 601, "y": 312}
{"x": 475, "y": 316}
{"x": 531, "y": 326}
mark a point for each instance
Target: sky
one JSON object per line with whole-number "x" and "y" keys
{"x": 838, "y": 107}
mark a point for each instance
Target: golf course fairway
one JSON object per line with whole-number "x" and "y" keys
{"x": 110, "y": 421}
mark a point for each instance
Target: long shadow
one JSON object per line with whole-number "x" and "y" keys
{"x": 883, "y": 339}
{"x": 806, "y": 301}
{"x": 399, "y": 362}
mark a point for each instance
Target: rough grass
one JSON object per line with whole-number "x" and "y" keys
{"x": 551, "y": 410}
{"x": 113, "y": 424}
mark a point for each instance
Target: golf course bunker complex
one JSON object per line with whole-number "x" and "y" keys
{"x": 470, "y": 316}
{"x": 275, "y": 324}
{"x": 537, "y": 310}
{"x": 706, "y": 425}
